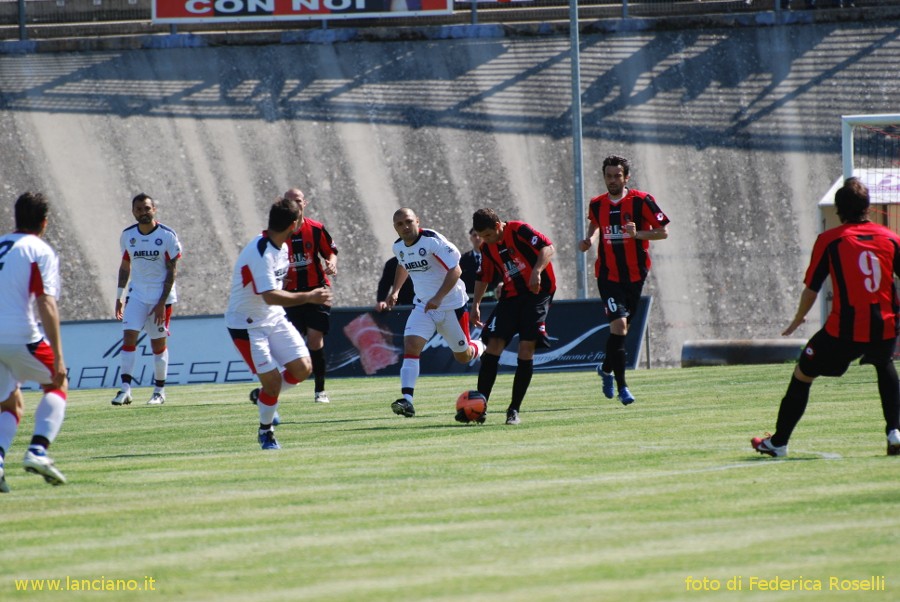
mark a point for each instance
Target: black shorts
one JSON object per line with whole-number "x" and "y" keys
{"x": 825, "y": 355}
{"x": 309, "y": 315}
{"x": 620, "y": 299}
{"x": 525, "y": 315}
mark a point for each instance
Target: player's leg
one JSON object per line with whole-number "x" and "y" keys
{"x": 409, "y": 374}
{"x": 532, "y": 334}
{"x": 10, "y": 415}
{"x": 823, "y": 355}
{"x": 268, "y": 407}
{"x": 498, "y": 331}
{"x": 612, "y": 370}
{"x": 521, "y": 379}
{"x": 881, "y": 356}
{"x": 127, "y": 359}
{"x": 134, "y": 317}
{"x": 277, "y": 345}
{"x": 420, "y": 327}
{"x": 307, "y": 319}
{"x": 159, "y": 334}
{"x": 318, "y": 322}
{"x": 453, "y": 326}
{"x": 36, "y": 364}
{"x": 316, "y": 341}
{"x": 290, "y": 351}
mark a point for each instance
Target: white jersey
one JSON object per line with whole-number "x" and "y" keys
{"x": 29, "y": 268}
{"x": 148, "y": 255}
{"x": 428, "y": 260}
{"x": 260, "y": 267}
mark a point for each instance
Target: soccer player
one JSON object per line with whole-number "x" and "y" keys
{"x": 521, "y": 255}
{"x": 272, "y": 347}
{"x": 150, "y": 251}
{"x": 29, "y": 279}
{"x": 862, "y": 259}
{"x": 628, "y": 220}
{"x": 432, "y": 262}
{"x": 310, "y": 242}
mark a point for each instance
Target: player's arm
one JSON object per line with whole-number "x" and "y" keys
{"x": 480, "y": 289}
{"x": 328, "y": 252}
{"x": 807, "y": 298}
{"x": 331, "y": 265}
{"x": 543, "y": 260}
{"x": 655, "y": 218}
{"x": 660, "y": 233}
{"x": 588, "y": 241}
{"x": 400, "y": 276}
{"x": 124, "y": 275}
{"x": 318, "y": 296}
{"x": 159, "y": 310}
{"x": 450, "y": 280}
{"x": 49, "y": 313}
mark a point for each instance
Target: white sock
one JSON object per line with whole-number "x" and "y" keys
{"x": 409, "y": 374}
{"x": 267, "y": 413}
{"x": 478, "y": 347}
{"x": 8, "y": 427}
{"x": 161, "y": 364}
{"x": 48, "y": 417}
{"x": 128, "y": 360}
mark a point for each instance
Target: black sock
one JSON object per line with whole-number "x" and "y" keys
{"x": 614, "y": 362}
{"x": 126, "y": 379}
{"x": 318, "y": 368}
{"x": 522, "y": 379}
{"x": 487, "y": 374}
{"x": 160, "y": 383}
{"x": 889, "y": 391}
{"x": 791, "y": 411}
{"x": 40, "y": 441}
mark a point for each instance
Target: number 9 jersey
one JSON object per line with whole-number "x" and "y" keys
{"x": 861, "y": 259}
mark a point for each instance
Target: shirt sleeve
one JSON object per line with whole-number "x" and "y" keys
{"x": 48, "y": 272}
{"x": 534, "y": 238}
{"x": 818, "y": 266}
{"x": 263, "y": 273}
{"x": 174, "y": 250}
{"x": 446, "y": 252}
{"x": 327, "y": 248}
{"x": 126, "y": 256}
{"x": 653, "y": 214}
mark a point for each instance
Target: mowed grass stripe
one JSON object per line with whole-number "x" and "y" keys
{"x": 586, "y": 500}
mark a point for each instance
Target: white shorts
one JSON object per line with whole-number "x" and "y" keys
{"x": 138, "y": 316}
{"x": 19, "y": 363}
{"x": 452, "y": 324}
{"x": 269, "y": 348}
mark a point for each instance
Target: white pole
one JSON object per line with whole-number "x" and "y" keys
{"x": 577, "y": 167}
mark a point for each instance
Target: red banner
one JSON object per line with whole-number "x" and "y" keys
{"x": 230, "y": 11}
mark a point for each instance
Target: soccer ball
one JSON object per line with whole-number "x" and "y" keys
{"x": 471, "y": 406}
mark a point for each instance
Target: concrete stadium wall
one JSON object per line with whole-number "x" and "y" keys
{"x": 736, "y": 132}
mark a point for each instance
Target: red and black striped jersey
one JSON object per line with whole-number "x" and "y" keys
{"x": 513, "y": 257}
{"x": 621, "y": 258}
{"x": 308, "y": 243}
{"x": 861, "y": 259}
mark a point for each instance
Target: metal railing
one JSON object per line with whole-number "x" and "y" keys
{"x": 40, "y": 19}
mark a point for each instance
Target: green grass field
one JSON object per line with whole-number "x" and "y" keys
{"x": 585, "y": 500}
